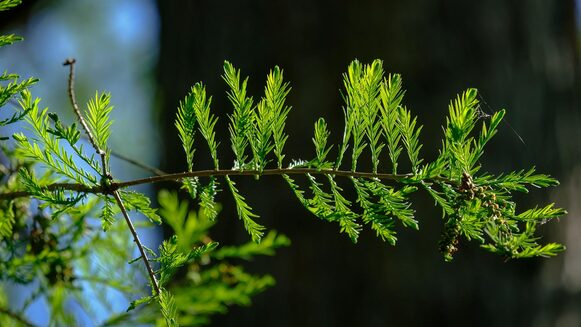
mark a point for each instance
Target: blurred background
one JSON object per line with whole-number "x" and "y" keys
{"x": 521, "y": 55}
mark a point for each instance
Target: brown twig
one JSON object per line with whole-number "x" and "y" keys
{"x": 106, "y": 177}
{"x": 177, "y": 177}
{"x": 71, "y": 89}
{"x": 265, "y": 172}
{"x": 136, "y": 163}
{"x": 150, "y": 271}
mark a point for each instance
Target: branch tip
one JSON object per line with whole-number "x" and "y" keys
{"x": 69, "y": 62}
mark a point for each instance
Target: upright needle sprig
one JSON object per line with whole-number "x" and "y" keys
{"x": 106, "y": 176}
{"x": 73, "y": 98}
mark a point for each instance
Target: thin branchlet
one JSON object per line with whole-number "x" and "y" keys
{"x": 106, "y": 177}
{"x": 136, "y": 163}
{"x": 73, "y": 98}
{"x": 137, "y": 241}
{"x": 178, "y": 177}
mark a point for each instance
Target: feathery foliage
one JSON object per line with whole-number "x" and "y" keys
{"x": 8, "y": 4}
{"x": 275, "y": 94}
{"x": 391, "y": 96}
{"x": 206, "y": 121}
{"x": 320, "y": 141}
{"x": 98, "y": 112}
{"x": 375, "y": 118}
{"x": 245, "y": 213}
{"x": 242, "y": 117}
{"x": 186, "y": 125}
{"x": 55, "y": 194}
{"x": 10, "y": 84}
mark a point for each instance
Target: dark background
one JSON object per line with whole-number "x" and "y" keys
{"x": 521, "y": 55}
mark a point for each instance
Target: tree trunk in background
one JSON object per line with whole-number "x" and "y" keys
{"x": 521, "y": 56}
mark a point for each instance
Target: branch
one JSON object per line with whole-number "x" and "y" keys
{"x": 16, "y": 317}
{"x": 265, "y": 172}
{"x": 136, "y": 163}
{"x": 177, "y": 177}
{"x": 81, "y": 188}
{"x": 106, "y": 176}
{"x": 71, "y": 89}
{"x": 137, "y": 241}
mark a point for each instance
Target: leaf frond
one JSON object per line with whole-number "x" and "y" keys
{"x": 245, "y": 213}
{"x": 98, "y": 112}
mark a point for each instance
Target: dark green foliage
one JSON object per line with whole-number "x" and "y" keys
{"x": 187, "y": 225}
{"x": 247, "y": 251}
{"x": 7, "y": 220}
{"x": 213, "y": 283}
